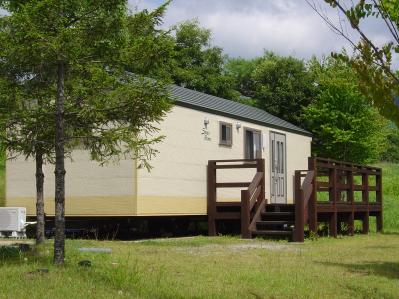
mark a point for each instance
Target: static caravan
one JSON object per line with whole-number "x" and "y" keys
{"x": 199, "y": 128}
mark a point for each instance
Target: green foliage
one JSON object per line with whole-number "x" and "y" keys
{"x": 150, "y": 49}
{"x": 108, "y": 110}
{"x": 391, "y": 151}
{"x": 240, "y": 70}
{"x": 197, "y": 64}
{"x": 344, "y": 125}
{"x": 283, "y": 86}
{"x": 278, "y": 85}
{"x": 372, "y": 61}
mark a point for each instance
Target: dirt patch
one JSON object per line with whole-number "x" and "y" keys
{"x": 12, "y": 242}
{"x": 214, "y": 249}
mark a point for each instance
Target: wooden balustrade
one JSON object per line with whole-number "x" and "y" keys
{"x": 339, "y": 181}
{"x": 252, "y": 198}
{"x": 303, "y": 192}
{"x": 323, "y": 193}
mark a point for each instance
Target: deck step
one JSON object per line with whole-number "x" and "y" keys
{"x": 275, "y": 222}
{"x": 228, "y": 204}
{"x": 272, "y": 232}
{"x": 277, "y": 213}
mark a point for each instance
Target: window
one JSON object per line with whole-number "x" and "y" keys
{"x": 225, "y": 134}
{"x": 253, "y": 144}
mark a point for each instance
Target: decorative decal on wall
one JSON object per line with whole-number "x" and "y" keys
{"x": 206, "y": 134}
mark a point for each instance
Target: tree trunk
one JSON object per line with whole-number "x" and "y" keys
{"x": 59, "y": 240}
{"x": 40, "y": 226}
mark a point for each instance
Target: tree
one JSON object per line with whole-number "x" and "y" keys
{"x": 150, "y": 49}
{"x": 372, "y": 62}
{"x": 197, "y": 64}
{"x": 344, "y": 125}
{"x": 283, "y": 86}
{"x": 24, "y": 115}
{"x": 75, "y": 50}
{"x": 240, "y": 71}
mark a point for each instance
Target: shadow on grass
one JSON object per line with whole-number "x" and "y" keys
{"x": 17, "y": 254}
{"x": 391, "y": 233}
{"x": 383, "y": 269}
{"x": 10, "y": 254}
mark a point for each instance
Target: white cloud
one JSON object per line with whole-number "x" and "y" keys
{"x": 246, "y": 28}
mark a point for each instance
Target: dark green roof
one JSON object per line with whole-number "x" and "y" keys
{"x": 200, "y": 101}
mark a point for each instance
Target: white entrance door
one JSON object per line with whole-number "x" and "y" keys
{"x": 278, "y": 168}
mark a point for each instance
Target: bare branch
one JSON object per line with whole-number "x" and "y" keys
{"x": 381, "y": 62}
{"x": 389, "y": 23}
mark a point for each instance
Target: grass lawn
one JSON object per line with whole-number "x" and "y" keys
{"x": 202, "y": 267}
{"x": 390, "y": 185}
{"x": 363, "y": 266}
{"x": 2, "y": 179}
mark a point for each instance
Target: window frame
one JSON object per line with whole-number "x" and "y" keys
{"x": 227, "y": 143}
{"x": 245, "y": 142}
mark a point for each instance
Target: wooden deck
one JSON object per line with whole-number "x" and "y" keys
{"x": 331, "y": 192}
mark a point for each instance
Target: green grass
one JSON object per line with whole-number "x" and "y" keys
{"x": 201, "y": 267}
{"x": 223, "y": 267}
{"x": 2, "y": 179}
{"x": 390, "y": 185}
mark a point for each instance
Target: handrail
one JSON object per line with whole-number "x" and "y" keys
{"x": 255, "y": 182}
{"x": 253, "y": 197}
{"x": 302, "y": 195}
{"x": 327, "y": 160}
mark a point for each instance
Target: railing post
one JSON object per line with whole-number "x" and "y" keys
{"x": 299, "y": 233}
{"x": 365, "y": 201}
{"x": 333, "y": 194}
{"x": 211, "y": 207}
{"x": 245, "y": 215}
{"x": 378, "y": 186}
{"x": 350, "y": 195}
{"x": 261, "y": 168}
{"x": 312, "y": 165}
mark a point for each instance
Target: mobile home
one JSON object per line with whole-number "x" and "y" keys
{"x": 199, "y": 128}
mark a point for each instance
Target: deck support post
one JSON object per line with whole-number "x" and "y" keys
{"x": 299, "y": 232}
{"x": 351, "y": 224}
{"x": 211, "y": 198}
{"x": 313, "y": 227}
{"x": 365, "y": 223}
{"x": 245, "y": 215}
{"x": 332, "y": 227}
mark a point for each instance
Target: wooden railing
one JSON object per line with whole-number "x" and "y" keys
{"x": 303, "y": 192}
{"x": 340, "y": 182}
{"x": 252, "y": 198}
{"x": 330, "y": 197}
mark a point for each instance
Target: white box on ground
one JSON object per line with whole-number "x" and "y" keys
{"x": 13, "y": 221}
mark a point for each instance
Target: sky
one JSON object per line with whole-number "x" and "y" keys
{"x": 247, "y": 28}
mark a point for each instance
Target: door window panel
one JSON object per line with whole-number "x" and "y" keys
{"x": 253, "y": 145}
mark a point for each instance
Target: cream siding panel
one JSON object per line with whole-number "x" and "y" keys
{"x": 177, "y": 182}
{"x": 175, "y": 186}
{"x": 94, "y": 189}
